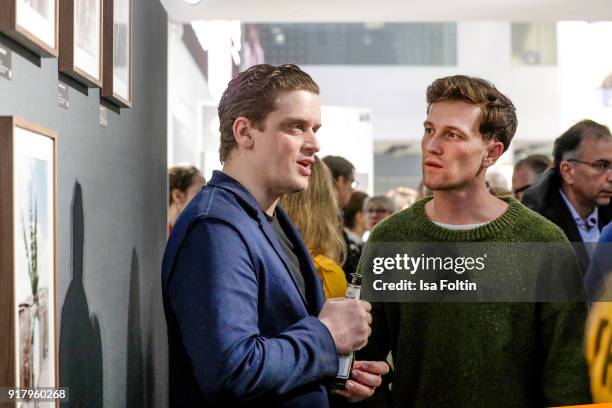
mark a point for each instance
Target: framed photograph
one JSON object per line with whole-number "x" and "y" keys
{"x": 117, "y": 79}
{"x": 28, "y": 303}
{"x": 32, "y": 23}
{"x": 80, "y": 54}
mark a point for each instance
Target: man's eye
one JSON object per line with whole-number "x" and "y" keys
{"x": 452, "y": 135}
{"x": 603, "y": 165}
{"x": 428, "y": 131}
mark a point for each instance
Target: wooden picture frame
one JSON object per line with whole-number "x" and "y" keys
{"x": 33, "y": 24}
{"x": 117, "y": 79}
{"x": 28, "y": 297}
{"x": 81, "y": 40}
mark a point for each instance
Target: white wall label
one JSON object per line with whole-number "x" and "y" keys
{"x": 5, "y": 63}
{"x": 103, "y": 116}
{"x": 62, "y": 95}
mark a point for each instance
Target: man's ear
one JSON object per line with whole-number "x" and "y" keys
{"x": 243, "y": 132}
{"x": 177, "y": 196}
{"x": 567, "y": 172}
{"x": 494, "y": 150}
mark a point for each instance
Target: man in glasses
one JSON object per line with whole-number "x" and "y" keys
{"x": 576, "y": 193}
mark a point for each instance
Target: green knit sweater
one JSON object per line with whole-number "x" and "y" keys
{"x": 479, "y": 354}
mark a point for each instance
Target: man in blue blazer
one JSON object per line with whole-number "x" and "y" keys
{"x": 247, "y": 322}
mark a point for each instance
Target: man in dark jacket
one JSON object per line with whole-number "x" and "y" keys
{"x": 576, "y": 193}
{"x": 343, "y": 173}
{"x": 247, "y": 323}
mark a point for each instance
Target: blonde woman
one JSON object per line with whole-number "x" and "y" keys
{"x": 314, "y": 212}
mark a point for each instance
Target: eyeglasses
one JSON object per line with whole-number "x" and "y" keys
{"x": 599, "y": 165}
{"x": 377, "y": 210}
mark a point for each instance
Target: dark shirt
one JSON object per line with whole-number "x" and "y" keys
{"x": 353, "y": 254}
{"x": 289, "y": 249}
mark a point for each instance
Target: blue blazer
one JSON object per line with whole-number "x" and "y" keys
{"x": 239, "y": 330}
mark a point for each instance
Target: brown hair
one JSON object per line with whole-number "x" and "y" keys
{"x": 497, "y": 113}
{"x": 253, "y": 94}
{"x": 314, "y": 212}
{"x": 354, "y": 206}
{"x": 181, "y": 177}
{"x": 536, "y": 163}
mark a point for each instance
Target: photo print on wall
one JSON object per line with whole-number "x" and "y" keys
{"x": 28, "y": 302}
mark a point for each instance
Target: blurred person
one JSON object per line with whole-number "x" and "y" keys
{"x": 354, "y": 217}
{"x": 343, "y": 173}
{"x": 475, "y": 354}
{"x": 314, "y": 212}
{"x": 354, "y": 229}
{"x": 246, "y": 315}
{"x": 402, "y": 197}
{"x": 377, "y": 208}
{"x": 576, "y": 193}
{"x": 184, "y": 182}
{"x": 497, "y": 184}
{"x": 527, "y": 171}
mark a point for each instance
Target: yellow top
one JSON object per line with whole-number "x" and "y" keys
{"x": 598, "y": 349}
{"x": 332, "y": 275}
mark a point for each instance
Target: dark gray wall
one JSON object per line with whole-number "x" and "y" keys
{"x": 111, "y": 216}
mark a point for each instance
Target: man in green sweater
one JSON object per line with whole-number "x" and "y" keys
{"x": 495, "y": 354}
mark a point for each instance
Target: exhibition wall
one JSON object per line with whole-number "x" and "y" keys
{"x": 110, "y": 217}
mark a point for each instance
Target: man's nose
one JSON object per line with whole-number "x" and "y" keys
{"x": 312, "y": 142}
{"x": 433, "y": 145}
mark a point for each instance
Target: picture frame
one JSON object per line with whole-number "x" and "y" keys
{"x": 28, "y": 297}
{"x": 81, "y": 40}
{"x": 33, "y": 24}
{"x": 117, "y": 78}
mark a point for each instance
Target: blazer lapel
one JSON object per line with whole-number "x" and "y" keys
{"x": 314, "y": 288}
{"x": 313, "y": 298}
{"x": 271, "y": 236}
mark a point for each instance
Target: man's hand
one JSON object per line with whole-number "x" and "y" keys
{"x": 365, "y": 377}
{"x": 348, "y": 321}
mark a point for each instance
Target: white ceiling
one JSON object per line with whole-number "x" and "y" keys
{"x": 294, "y": 11}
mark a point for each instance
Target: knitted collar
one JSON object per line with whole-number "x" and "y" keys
{"x": 485, "y": 232}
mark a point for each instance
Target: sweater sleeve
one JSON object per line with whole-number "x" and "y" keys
{"x": 379, "y": 345}
{"x": 565, "y": 379}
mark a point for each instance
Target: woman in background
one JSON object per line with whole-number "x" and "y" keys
{"x": 377, "y": 208}
{"x": 184, "y": 182}
{"x": 314, "y": 212}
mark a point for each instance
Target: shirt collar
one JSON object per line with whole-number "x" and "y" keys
{"x": 591, "y": 220}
